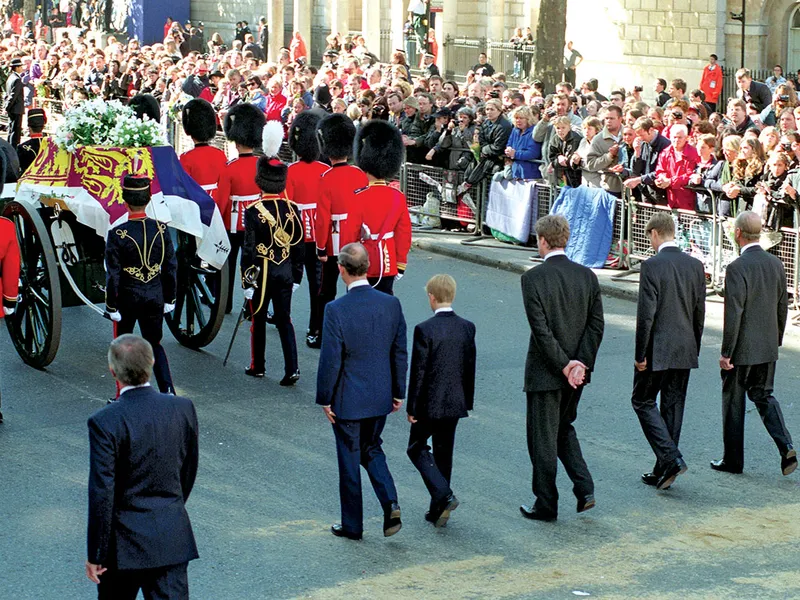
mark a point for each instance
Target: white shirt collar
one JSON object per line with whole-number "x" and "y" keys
{"x": 669, "y": 244}
{"x": 745, "y": 247}
{"x": 357, "y": 283}
{"x": 553, "y": 253}
{"x": 444, "y": 309}
{"x": 133, "y": 387}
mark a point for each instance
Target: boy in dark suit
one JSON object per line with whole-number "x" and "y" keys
{"x": 440, "y": 392}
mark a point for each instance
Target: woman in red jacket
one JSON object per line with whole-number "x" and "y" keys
{"x": 276, "y": 101}
{"x": 675, "y": 166}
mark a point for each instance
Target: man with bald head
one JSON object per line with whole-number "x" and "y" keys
{"x": 756, "y": 306}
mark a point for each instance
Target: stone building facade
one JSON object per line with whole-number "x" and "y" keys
{"x": 624, "y": 42}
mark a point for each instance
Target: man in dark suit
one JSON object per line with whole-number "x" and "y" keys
{"x": 756, "y": 307}
{"x": 440, "y": 392}
{"x": 669, "y": 327}
{"x": 142, "y": 466}
{"x": 361, "y": 379}
{"x": 565, "y": 312}
{"x": 14, "y": 104}
{"x": 756, "y": 95}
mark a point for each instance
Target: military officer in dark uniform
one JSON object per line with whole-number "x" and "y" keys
{"x": 14, "y": 104}
{"x": 141, "y": 275}
{"x": 272, "y": 258}
{"x": 28, "y": 149}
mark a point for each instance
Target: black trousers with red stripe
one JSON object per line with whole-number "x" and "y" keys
{"x": 150, "y": 318}
{"x": 314, "y": 276}
{"x": 327, "y": 290}
{"x": 234, "y": 276}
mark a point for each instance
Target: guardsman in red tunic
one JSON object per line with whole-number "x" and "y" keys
{"x": 237, "y": 184}
{"x": 386, "y": 223}
{"x": 303, "y": 183}
{"x": 9, "y": 266}
{"x": 272, "y": 258}
{"x": 338, "y": 220}
{"x": 204, "y": 163}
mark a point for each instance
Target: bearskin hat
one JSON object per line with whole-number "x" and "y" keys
{"x": 136, "y": 190}
{"x": 243, "y": 125}
{"x": 145, "y": 104}
{"x": 303, "y": 136}
{"x": 379, "y": 149}
{"x": 336, "y": 135}
{"x": 199, "y": 120}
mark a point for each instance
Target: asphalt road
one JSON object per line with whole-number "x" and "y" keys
{"x": 266, "y": 491}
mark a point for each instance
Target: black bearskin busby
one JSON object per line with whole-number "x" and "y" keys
{"x": 336, "y": 135}
{"x": 199, "y": 120}
{"x": 243, "y": 125}
{"x": 303, "y": 136}
{"x": 379, "y": 149}
{"x": 145, "y": 104}
{"x": 136, "y": 190}
{"x": 270, "y": 170}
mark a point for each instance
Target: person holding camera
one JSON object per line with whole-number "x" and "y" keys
{"x": 784, "y": 97}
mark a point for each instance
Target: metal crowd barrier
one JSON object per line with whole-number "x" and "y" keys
{"x": 432, "y": 195}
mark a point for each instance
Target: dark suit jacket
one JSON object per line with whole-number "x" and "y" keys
{"x": 14, "y": 103}
{"x": 756, "y": 307}
{"x": 565, "y": 313}
{"x": 672, "y": 308}
{"x": 442, "y": 381}
{"x": 760, "y": 96}
{"x": 142, "y": 466}
{"x": 363, "y": 362}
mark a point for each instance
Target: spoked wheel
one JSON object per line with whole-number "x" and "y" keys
{"x": 35, "y": 326}
{"x": 202, "y": 294}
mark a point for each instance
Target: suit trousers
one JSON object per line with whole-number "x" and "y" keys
{"x": 661, "y": 424}
{"x": 551, "y": 437}
{"x": 150, "y": 321}
{"x": 327, "y": 288}
{"x": 163, "y": 583}
{"x": 314, "y": 276}
{"x": 383, "y": 284}
{"x": 435, "y": 467}
{"x": 14, "y": 129}
{"x": 757, "y": 382}
{"x": 281, "y": 297}
{"x": 235, "y": 240}
{"x": 358, "y": 444}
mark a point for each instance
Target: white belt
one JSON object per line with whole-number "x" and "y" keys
{"x": 376, "y": 236}
{"x": 236, "y": 200}
{"x": 306, "y": 206}
{"x": 210, "y": 187}
{"x": 249, "y": 198}
{"x": 339, "y": 217}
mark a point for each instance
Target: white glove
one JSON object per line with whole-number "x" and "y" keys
{"x": 168, "y": 308}
{"x": 115, "y": 316}
{"x": 295, "y": 287}
{"x": 399, "y": 276}
{"x": 248, "y": 293}
{"x": 8, "y": 311}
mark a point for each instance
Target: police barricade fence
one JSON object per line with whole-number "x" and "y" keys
{"x": 434, "y": 194}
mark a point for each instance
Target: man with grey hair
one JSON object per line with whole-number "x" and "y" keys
{"x": 756, "y": 307}
{"x": 142, "y": 466}
{"x": 361, "y": 379}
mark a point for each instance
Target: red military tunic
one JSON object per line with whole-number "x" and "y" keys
{"x": 338, "y": 220}
{"x": 303, "y": 183}
{"x": 9, "y": 263}
{"x": 385, "y": 213}
{"x": 205, "y": 165}
{"x": 237, "y": 189}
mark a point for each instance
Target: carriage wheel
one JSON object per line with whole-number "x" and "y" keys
{"x": 35, "y": 326}
{"x": 201, "y": 297}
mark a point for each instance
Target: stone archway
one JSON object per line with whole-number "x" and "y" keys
{"x": 782, "y": 47}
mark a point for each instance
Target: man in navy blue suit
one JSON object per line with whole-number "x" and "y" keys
{"x": 440, "y": 392}
{"x": 142, "y": 466}
{"x": 361, "y": 379}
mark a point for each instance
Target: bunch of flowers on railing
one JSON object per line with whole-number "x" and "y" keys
{"x": 100, "y": 123}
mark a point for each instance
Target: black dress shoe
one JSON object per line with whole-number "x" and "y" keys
{"x": 339, "y": 531}
{"x": 290, "y": 380}
{"x": 721, "y": 465}
{"x": 675, "y": 468}
{"x": 253, "y": 373}
{"x": 391, "y": 520}
{"x": 586, "y": 503}
{"x": 314, "y": 340}
{"x": 789, "y": 460}
{"x": 650, "y": 478}
{"x": 441, "y": 513}
{"x": 531, "y": 512}
{"x": 429, "y": 518}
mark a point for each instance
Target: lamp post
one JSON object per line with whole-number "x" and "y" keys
{"x": 741, "y": 17}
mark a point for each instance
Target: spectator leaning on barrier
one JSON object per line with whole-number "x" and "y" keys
{"x": 676, "y": 164}
{"x": 543, "y": 132}
{"x": 591, "y": 127}
{"x": 494, "y": 134}
{"x": 648, "y": 146}
{"x": 457, "y": 138}
{"x": 705, "y": 145}
{"x": 562, "y": 147}
{"x": 604, "y": 151}
{"x": 720, "y": 176}
{"x": 522, "y": 150}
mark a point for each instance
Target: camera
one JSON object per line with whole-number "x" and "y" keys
{"x": 786, "y": 146}
{"x": 676, "y": 114}
{"x": 783, "y": 97}
{"x": 638, "y": 88}
{"x": 550, "y": 112}
{"x": 494, "y": 94}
